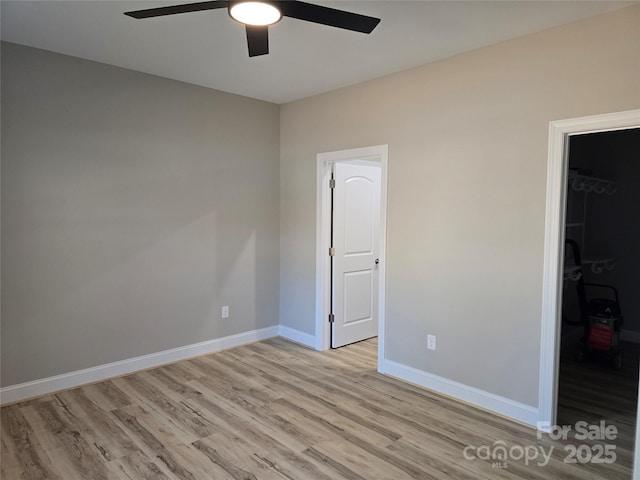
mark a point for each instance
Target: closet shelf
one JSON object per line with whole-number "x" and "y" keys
{"x": 588, "y": 184}
{"x": 572, "y": 272}
{"x": 576, "y": 226}
{"x": 598, "y": 265}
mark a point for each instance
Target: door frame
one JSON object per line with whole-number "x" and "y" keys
{"x": 557, "y": 171}
{"x": 378, "y": 154}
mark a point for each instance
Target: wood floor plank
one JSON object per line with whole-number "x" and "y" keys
{"x": 282, "y": 430}
{"x": 270, "y": 450}
{"x": 270, "y": 446}
{"x": 86, "y": 460}
{"x": 107, "y": 395}
{"x": 21, "y": 450}
{"x": 157, "y": 415}
{"x": 236, "y": 472}
{"x": 353, "y": 438}
{"x": 262, "y": 459}
{"x": 331, "y": 411}
{"x": 155, "y": 393}
{"x": 107, "y": 437}
{"x": 369, "y": 465}
{"x": 163, "y": 452}
{"x": 441, "y": 463}
{"x": 137, "y": 466}
{"x": 342, "y": 470}
{"x": 234, "y": 385}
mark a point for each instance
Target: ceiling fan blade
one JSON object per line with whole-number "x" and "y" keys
{"x": 175, "y": 9}
{"x": 257, "y": 40}
{"x": 329, "y": 16}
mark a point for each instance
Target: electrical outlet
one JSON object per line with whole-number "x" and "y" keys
{"x": 225, "y": 311}
{"x": 431, "y": 342}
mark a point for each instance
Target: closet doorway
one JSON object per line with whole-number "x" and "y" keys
{"x": 600, "y": 326}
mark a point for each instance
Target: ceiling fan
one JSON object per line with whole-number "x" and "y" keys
{"x": 257, "y": 15}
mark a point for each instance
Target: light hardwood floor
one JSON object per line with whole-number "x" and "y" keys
{"x": 273, "y": 410}
{"x": 592, "y": 391}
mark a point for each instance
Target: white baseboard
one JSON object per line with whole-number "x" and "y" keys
{"x": 16, "y": 393}
{"x": 489, "y": 401}
{"x": 630, "y": 336}
{"x": 298, "y": 336}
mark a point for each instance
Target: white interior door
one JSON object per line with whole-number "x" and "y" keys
{"x": 356, "y": 231}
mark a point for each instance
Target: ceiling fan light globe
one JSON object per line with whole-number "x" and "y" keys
{"x": 254, "y": 13}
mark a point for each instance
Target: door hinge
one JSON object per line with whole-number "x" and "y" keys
{"x": 332, "y": 183}
{"x": 332, "y": 318}
{"x": 332, "y": 251}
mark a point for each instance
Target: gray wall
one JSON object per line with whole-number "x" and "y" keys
{"x": 468, "y": 143}
{"x": 133, "y": 208}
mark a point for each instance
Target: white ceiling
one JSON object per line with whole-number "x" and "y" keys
{"x": 209, "y": 49}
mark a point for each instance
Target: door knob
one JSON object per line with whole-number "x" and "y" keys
{"x": 377, "y": 261}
